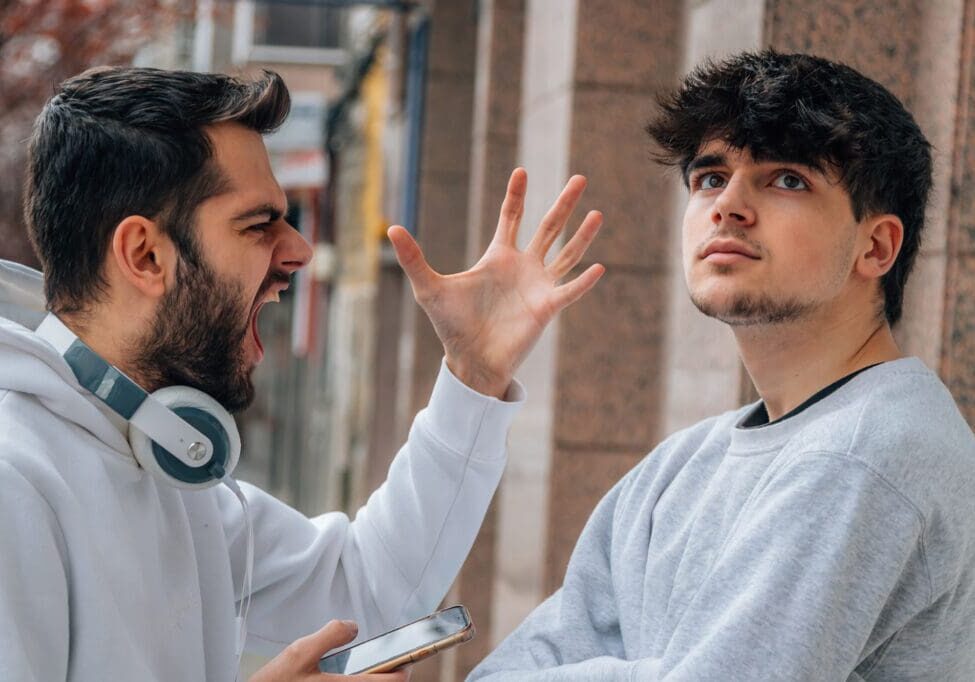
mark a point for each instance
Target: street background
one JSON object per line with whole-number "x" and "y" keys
{"x": 416, "y": 112}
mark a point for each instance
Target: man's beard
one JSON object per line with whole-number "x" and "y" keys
{"x": 197, "y": 338}
{"x": 745, "y": 310}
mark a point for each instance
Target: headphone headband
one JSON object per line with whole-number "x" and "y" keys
{"x": 179, "y": 450}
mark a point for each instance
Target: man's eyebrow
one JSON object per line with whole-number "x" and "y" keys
{"x": 704, "y": 161}
{"x": 272, "y": 212}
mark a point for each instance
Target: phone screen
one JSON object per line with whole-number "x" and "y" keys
{"x": 394, "y": 643}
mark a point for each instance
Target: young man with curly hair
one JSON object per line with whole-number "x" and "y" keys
{"x": 826, "y": 532}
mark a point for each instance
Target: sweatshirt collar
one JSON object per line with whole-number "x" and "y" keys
{"x": 748, "y": 441}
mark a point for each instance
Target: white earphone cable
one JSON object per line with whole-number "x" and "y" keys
{"x": 245, "y": 592}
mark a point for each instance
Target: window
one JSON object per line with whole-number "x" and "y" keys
{"x": 298, "y": 25}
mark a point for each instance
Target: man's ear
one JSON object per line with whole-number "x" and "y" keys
{"x": 143, "y": 255}
{"x": 881, "y": 239}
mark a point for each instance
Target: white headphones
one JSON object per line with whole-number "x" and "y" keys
{"x": 179, "y": 434}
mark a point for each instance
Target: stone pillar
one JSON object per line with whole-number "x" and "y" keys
{"x": 444, "y": 186}
{"x": 543, "y": 124}
{"x": 497, "y": 101}
{"x": 591, "y": 70}
{"x": 958, "y": 350}
{"x": 444, "y": 167}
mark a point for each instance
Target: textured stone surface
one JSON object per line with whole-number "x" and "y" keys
{"x": 580, "y": 478}
{"x": 452, "y": 38}
{"x": 608, "y": 146}
{"x": 609, "y": 374}
{"x": 441, "y": 226}
{"x": 448, "y": 116}
{"x": 877, "y": 38}
{"x": 497, "y": 107}
{"x": 489, "y": 178}
{"x": 385, "y": 437}
{"x": 958, "y": 356}
{"x": 500, "y": 68}
{"x": 474, "y": 590}
{"x": 920, "y": 330}
{"x": 958, "y": 364}
{"x": 628, "y": 43}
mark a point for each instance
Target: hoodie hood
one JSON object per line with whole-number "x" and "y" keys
{"x": 30, "y": 365}
{"x": 21, "y": 294}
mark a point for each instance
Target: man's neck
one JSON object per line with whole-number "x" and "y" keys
{"x": 788, "y": 362}
{"x": 106, "y": 335}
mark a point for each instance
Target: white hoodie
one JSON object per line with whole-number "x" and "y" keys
{"x": 109, "y": 574}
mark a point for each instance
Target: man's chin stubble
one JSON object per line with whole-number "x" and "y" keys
{"x": 747, "y": 311}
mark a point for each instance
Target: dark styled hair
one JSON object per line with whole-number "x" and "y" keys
{"x": 114, "y": 142}
{"x": 808, "y": 110}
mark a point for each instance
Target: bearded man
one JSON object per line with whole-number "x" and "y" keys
{"x": 151, "y": 203}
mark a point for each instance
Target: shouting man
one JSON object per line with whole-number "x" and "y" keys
{"x": 151, "y": 203}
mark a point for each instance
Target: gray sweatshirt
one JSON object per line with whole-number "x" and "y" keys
{"x": 838, "y": 544}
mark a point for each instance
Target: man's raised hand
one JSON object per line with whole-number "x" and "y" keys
{"x": 490, "y": 316}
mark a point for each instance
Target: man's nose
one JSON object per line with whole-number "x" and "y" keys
{"x": 294, "y": 251}
{"x": 734, "y": 204}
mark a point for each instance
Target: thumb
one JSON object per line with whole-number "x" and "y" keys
{"x": 300, "y": 658}
{"x": 410, "y": 257}
{"x": 311, "y": 647}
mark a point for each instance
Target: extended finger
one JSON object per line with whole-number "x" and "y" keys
{"x": 553, "y": 222}
{"x": 410, "y": 258}
{"x": 570, "y": 292}
{"x": 572, "y": 253}
{"x": 512, "y": 208}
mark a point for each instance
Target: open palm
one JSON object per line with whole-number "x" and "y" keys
{"x": 490, "y": 316}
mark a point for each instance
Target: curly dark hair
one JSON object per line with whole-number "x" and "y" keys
{"x": 114, "y": 142}
{"x": 812, "y": 111}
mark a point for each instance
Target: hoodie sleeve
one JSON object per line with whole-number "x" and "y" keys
{"x": 34, "y": 635}
{"x": 395, "y": 562}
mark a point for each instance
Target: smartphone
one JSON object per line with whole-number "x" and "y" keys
{"x": 406, "y": 644}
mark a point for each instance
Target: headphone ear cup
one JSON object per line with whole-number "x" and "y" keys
{"x": 209, "y": 417}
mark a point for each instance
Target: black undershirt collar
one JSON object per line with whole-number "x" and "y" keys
{"x": 759, "y": 416}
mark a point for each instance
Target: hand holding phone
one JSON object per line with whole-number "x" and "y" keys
{"x": 404, "y": 645}
{"x": 300, "y": 660}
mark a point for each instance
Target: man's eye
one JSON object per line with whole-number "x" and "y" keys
{"x": 710, "y": 181}
{"x": 260, "y": 227}
{"x": 790, "y": 181}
